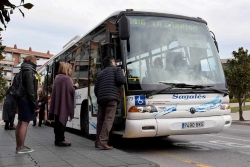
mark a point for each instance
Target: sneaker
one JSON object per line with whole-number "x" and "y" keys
{"x": 24, "y": 150}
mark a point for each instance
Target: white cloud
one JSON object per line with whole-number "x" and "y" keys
{"x": 52, "y": 23}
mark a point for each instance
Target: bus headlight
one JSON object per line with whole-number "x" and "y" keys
{"x": 143, "y": 109}
{"x": 225, "y": 106}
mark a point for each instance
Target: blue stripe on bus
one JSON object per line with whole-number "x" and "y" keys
{"x": 92, "y": 124}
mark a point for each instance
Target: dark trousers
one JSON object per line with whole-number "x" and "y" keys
{"x": 50, "y": 116}
{"x": 41, "y": 117}
{"x": 59, "y": 130}
{"x": 105, "y": 119}
{"x": 10, "y": 123}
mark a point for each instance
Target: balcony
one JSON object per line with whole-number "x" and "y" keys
{"x": 6, "y": 62}
{"x": 7, "y": 68}
{"x": 7, "y": 77}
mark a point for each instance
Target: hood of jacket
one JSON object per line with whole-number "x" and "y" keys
{"x": 30, "y": 66}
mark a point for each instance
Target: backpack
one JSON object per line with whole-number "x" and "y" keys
{"x": 17, "y": 89}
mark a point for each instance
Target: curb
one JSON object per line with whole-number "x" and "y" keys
{"x": 241, "y": 123}
{"x": 152, "y": 163}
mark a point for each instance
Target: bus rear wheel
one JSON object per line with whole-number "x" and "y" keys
{"x": 85, "y": 119}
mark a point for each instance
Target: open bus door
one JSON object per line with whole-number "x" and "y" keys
{"x": 110, "y": 49}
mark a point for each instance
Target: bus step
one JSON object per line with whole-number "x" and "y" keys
{"x": 119, "y": 132}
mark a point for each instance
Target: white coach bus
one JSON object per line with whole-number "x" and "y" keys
{"x": 175, "y": 83}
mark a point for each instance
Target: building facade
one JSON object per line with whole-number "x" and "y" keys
{"x": 14, "y": 56}
{"x": 224, "y": 61}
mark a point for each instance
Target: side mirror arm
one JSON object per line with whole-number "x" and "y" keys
{"x": 215, "y": 42}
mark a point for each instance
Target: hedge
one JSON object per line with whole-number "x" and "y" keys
{"x": 234, "y": 100}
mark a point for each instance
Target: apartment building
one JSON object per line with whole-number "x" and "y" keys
{"x": 224, "y": 61}
{"x": 15, "y": 56}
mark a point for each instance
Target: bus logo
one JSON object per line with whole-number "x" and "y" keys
{"x": 140, "y": 100}
{"x": 187, "y": 97}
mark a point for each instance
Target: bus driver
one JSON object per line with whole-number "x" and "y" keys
{"x": 157, "y": 73}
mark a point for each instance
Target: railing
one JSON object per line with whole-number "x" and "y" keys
{"x": 7, "y": 77}
{"x": 83, "y": 74}
{"x": 7, "y": 68}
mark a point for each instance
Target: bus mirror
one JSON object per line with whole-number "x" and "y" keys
{"x": 124, "y": 28}
{"x": 215, "y": 42}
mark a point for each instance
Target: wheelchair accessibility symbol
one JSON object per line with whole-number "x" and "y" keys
{"x": 140, "y": 100}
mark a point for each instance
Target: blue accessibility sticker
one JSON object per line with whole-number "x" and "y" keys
{"x": 140, "y": 100}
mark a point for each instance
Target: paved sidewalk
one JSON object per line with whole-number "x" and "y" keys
{"x": 46, "y": 154}
{"x": 246, "y": 116}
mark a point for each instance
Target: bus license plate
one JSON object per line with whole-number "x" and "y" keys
{"x": 189, "y": 125}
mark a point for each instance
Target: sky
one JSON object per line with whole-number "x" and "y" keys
{"x": 50, "y": 24}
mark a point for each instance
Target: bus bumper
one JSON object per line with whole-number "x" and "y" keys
{"x": 175, "y": 126}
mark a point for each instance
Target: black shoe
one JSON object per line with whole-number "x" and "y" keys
{"x": 61, "y": 144}
{"x": 11, "y": 128}
{"x": 34, "y": 125}
{"x": 96, "y": 143}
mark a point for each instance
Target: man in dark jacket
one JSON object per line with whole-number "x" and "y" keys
{"x": 9, "y": 111}
{"x": 108, "y": 93}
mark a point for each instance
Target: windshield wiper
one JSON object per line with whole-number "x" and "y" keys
{"x": 183, "y": 85}
{"x": 172, "y": 85}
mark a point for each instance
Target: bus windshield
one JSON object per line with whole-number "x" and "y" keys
{"x": 171, "y": 50}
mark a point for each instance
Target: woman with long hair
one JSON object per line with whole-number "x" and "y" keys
{"x": 62, "y": 102}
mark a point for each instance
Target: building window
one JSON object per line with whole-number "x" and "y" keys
{"x": 8, "y": 56}
{"x": 20, "y": 59}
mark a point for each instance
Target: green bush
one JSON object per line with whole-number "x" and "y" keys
{"x": 234, "y": 100}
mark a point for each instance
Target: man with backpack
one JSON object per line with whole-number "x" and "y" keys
{"x": 24, "y": 87}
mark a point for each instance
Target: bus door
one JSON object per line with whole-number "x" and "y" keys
{"x": 112, "y": 49}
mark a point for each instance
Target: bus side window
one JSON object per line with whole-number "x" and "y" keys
{"x": 95, "y": 62}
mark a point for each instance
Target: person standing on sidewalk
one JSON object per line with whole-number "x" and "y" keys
{"x": 42, "y": 100}
{"x": 27, "y": 104}
{"x": 9, "y": 111}
{"x": 50, "y": 116}
{"x": 62, "y": 102}
{"x": 108, "y": 92}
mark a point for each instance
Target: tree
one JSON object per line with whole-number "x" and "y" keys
{"x": 237, "y": 74}
{"x": 7, "y": 8}
{"x": 3, "y": 82}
